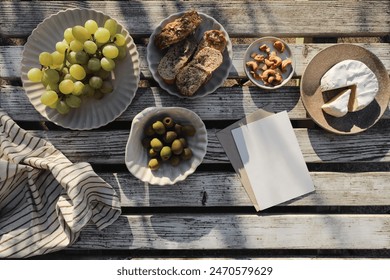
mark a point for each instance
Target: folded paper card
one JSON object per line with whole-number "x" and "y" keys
{"x": 272, "y": 159}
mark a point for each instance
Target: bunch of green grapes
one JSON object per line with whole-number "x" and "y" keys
{"x": 80, "y": 66}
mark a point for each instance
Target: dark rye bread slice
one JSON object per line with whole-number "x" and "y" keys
{"x": 175, "y": 59}
{"x": 177, "y": 30}
{"x": 198, "y": 71}
{"x": 214, "y": 39}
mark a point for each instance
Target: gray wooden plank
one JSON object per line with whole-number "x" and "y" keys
{"x": 224, "y": 189}
{"x": 249, "y": 18}
{"x": 268, "y": 231}
{"x": 317, "y": 146}
{"x": 11, "y": 57}
{"x": 226, "y": 103}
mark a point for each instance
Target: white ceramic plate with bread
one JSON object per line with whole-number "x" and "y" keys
{"x": 218, "y": 76}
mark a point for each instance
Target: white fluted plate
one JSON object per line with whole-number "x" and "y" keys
{"x": 136, "y": 157}
{"x": 93, "y": 113}
{"x": 154, "y": 55}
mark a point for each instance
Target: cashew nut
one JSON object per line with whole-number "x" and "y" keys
{"x": 279, "y": 46}
{"x": 267, "y": 73}
{"x": 259, "y": 58}
{"x": 276, "y": 60}
{"x": 252, "y": 64}
{"x": 265, "y": 48}
{"x": 268, "y": 62}
{"x": 285, "y": 63}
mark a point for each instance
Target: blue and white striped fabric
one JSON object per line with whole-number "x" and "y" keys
{"x": 46, "y": 200}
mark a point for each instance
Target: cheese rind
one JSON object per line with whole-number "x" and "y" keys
{"x": 352, "y": 73}
{"x": 338, "y": 105}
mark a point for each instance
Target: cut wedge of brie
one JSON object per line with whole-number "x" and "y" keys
{"x": 356, "y": 75}
{"x": 338, "y": 105}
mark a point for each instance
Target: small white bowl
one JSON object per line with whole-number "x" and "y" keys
{"x": 254, "y": 48}
{"x": 136, "y": 157}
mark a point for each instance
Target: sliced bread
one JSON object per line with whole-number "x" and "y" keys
{"x": 198, "y": 71}
{"x": 191, "y": 78}
{"x": 214, "y": 39}
{"x": 209, "y": 58}
{"x": 177, "y": 30}
{"x": 175, "y": 59}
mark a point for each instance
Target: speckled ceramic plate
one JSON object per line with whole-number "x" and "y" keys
{"x": 218, "y": 77}
{"x": 136, "y": 157}
{"x": 92, "y": 113}
{"x": 269, "y": 41}
{"x": 313, "y": 98}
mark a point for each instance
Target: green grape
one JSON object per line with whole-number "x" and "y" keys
{"x": 110, "y": 51}
{"x": 71, "y": 58}
{"x": 68, "y": 36}
{"x": 82, "y": 57}
{"x": 94, "y": 64}
{"x": 58, "y": 58}
{"x": 49, "y": 97}
{"x": 35, "y": 74}
{"x": 90, "y": 47}
{"x": 107, "y": 64}
{"x": 88, "y": 90}
{"x": 62, "y": 107}
{"x": 78, "y": 88}
{"x": 73, "y": 101}
{"x": 87, "y": 71}
{"x": 103, "y": 74}
{"x": 66, "y": 86}
{"x": 54, "y": 105}
{"x": 98, "y": 94}
{"x": 91, "y": 26}
{"x": 61, "y": 47}
{"x": 80, "y": 33}
{"x": 52, "y": 86}
{"x": 119, "y": 40}
{"x": 45, "y": 59}
{"x": 51, "y": 76}
{"x": 111, "y": 26}
{"x": 77, "y": 72}
{"x": 122, "y": 52}
{"x": 95, "y": 82}
{"x": 69, "y": 77}
{"x": 76, "y": 46}
{"x": 107, "y": 87}
{"x": 102, "y": 35}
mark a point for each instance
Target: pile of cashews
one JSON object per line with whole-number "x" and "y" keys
{"x": 270, "y": 65}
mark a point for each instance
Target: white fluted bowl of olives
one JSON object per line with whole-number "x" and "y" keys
{"x": 165, "y": 145}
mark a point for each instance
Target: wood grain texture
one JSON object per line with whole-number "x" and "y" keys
{"x": 317, "y": 146}
{"x": 249, "y": 18}
{"x": 269, "y": 231}
{"x": 224, "y": 189}
{"x": 11, "y": 57}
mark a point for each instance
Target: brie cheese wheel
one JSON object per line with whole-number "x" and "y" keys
{"x": 354, "y": 74}
{"x": 338, "y": 105}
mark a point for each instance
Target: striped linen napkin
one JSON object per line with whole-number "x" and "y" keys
{"x": 46, "y": 200}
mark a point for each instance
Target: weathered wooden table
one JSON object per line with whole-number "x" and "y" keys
{"x": 210, "y": 214}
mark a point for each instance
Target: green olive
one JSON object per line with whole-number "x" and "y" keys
{"x": 152, "y": 153}
{"x": 169, "y": 137}
{"x": 187, "y": 154}
{"x": 174, "y": 160}
{"x": 154, "y": 164}
{"x": 184, "y": 142}
{"x": 168, "y": 122}
{"x": 177, "y": 147}
{"x": 165, "y": 153}
{"x": 156, "y": 144}
{"x": 149, "y": 131}
{"x": 159, "y": 127}
{"x": 189, "y": 130}
{"x": 178, "y": 129}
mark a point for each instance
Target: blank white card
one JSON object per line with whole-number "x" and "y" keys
{"x": 273, "y": 160}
